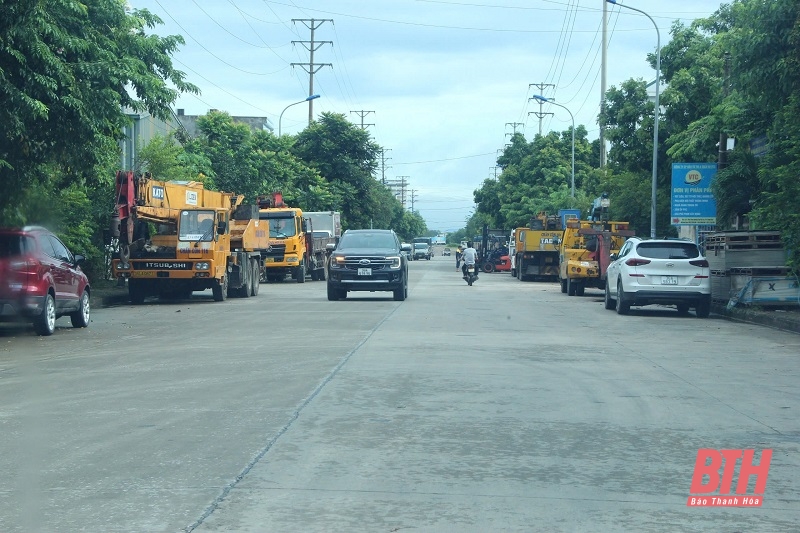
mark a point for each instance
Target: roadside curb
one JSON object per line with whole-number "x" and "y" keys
{"x": 783, "y": 320}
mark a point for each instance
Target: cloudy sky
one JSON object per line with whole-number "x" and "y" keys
{"x": 440, "y": 84}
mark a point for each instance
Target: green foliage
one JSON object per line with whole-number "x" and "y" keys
{"x": 346, "y": 157}
{"x": 67, "y": 71}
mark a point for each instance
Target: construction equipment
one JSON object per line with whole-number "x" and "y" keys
{"x": 536, "y": 254}
{"x": 176, "y": 237}
{"x": 585, "y": 249}
{"x": 297, "y": 241}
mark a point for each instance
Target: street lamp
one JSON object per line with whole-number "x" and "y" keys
{"x": 541, "y": 98}
{"x": 312, "y": 97}
{"x": 655, "y": 122}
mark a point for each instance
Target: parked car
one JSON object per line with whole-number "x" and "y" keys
{"x": 368, "y": 260}
{"x": 40, "y": 280}
{"x": 408, "y": 253}
{"x": 422, "y": 251}
{"x": 659, "y": 271}
{"x": 446, "y": 252}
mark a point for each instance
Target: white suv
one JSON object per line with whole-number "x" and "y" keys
{"x": 659, "y": 271}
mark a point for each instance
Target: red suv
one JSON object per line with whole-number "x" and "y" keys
{"x": 40, "y": 279}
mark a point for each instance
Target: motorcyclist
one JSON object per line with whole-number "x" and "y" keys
{"x": 469, "y": 257}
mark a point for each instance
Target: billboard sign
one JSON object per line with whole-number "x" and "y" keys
{"x": 693, "y": 202}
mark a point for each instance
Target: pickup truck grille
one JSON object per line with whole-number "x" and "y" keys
{"x": 375, "y": 263}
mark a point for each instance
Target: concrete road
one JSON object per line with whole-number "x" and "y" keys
{"x": 505, "y": 406}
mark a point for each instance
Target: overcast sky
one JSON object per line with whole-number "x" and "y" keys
{"x": 441, "y": 83}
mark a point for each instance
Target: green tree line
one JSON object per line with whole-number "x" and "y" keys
{"x": 69, "y": 73}
{"x": 736, "y": 73}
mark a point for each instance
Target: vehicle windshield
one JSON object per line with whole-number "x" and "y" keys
{"x": 196, "y": 225}
{"x": 668, "y": 250}
{"x": 420, "y": 246}
{"x": 281, "y": 228}
{"x": 367, "y": 240}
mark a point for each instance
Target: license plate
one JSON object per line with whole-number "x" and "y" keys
{"x": 364, "y": 271}
{"x": 669, "y": 280}
{"x": 470, "y": 269}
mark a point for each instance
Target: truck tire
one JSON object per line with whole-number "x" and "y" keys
{"x": 564, "y": 286}
{"x": 333, "y": 294}
{"x": 521, "y": 269}
{"x": 135, "y": 292}
{"x": 571, "y": 287}
{"x": 580, "y": 288}
{"x": 300, "y": 271}
{"x": 256, "y": 277}
{"x": 220, "y": 289}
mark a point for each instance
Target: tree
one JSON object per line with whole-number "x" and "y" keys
{"x": 346, "y": 157}
{"x": 67, "y": 72}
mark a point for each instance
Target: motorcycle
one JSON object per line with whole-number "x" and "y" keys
{"x": 469, "y": 274}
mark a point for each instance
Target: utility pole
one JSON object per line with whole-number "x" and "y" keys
{"x": 495, "y": 171}
{"x": 311, "y": 68}
{"x": 413, "y": 197}
{"x": 722, "y": 158}
{"x": 513, "y": 125}
{"x": 603, "y": 61}
{"x": 541, "y": 86}
{"x": 384, "y": 159}
{"x": 362, "y": 114}
{"x": 398, "y": 187}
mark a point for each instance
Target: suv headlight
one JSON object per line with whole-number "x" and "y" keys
{"x": 395, "y": 262}
{"x": 337, "y": 261}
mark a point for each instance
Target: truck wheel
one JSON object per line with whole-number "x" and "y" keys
{"x": 579, "y": 289}
{"x": 571, "y": 286}
{"x": 488, "y": 268}
{"x": 135, "y": 292}
{"x": 45, "y": 322}
{"x": 300, "y": 271}
{"x": 256, "y": 278}
{"x": 564, "y": 286}
{"x": 333, "y": 294}
{"x": 220, "y": 289}
{"x": 521, "y": 269}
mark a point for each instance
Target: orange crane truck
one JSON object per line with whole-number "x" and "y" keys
{"x": 176, "y": 237}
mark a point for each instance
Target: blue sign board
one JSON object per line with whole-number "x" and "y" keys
{"x": 692, "y": 200}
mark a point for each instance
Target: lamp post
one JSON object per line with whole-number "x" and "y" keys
{"x": 655, "y": 121}
{"x": 312, "y": 97}
{"x": 543, "y": 99}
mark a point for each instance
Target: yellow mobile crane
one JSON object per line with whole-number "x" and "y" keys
{"x": 586, "y": 247}
{"x": 178, "y": 237}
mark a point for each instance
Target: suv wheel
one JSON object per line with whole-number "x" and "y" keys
{"x": 80, "y": 318}
{"x": 607, "y": 301}
{"x": 45, "y": 322}
{"x": 622, "y": 306}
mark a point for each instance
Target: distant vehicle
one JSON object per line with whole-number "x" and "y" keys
{"x": 422, "y": 251}
{"x": 40, "y": 280}
{"x": 659, "y": 271}
{"x": 446, "y": 251}
{"x": 368, "y": 260}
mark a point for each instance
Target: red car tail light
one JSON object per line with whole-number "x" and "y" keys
{"x": 635, "y": 262}
{"x": 699, "y": 263}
